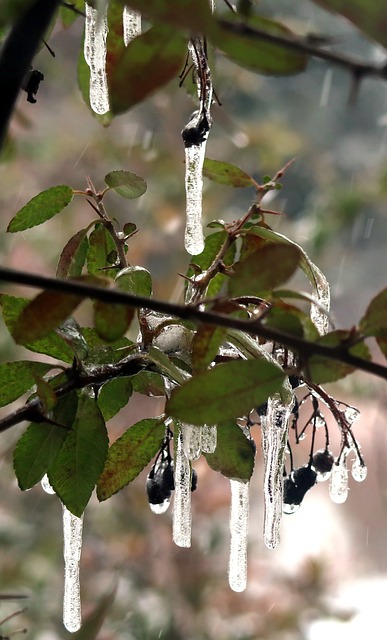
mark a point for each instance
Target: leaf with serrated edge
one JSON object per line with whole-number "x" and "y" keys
{"x": 78, "y": 465}
{"x": 322, "y": 370}
{"x": 18, "y": 377}
{"x": 129, "y": 455}
{"x": 73, "y": 256}
{"x": 126, "y": 184}
{"x": 113, "y": 396}
{"x": 225, "y": 392}
{"x": 41, "y": 208}
{"x": 226, "y": 174}
{"x": 111, "y": 321}
{"x": 234, "y": 454}
{"x": 205, "y": 345}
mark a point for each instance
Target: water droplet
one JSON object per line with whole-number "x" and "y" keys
{"x": 160, "y": 507}
{"x": 290, "y": 508}
{"x": 46, "y": 485}
{"x": 351, "y": 414}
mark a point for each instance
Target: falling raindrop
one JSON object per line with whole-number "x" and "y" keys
{"x": 239, "y": 518}
{"x": 72, "y": 547}
{"x": 131, "y": 22}
{"x": 182, "y": 519}
{"x": 96, "y": 29}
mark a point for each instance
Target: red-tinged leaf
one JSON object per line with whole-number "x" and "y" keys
{"x": 205, "y": 345}
{"x": 41, "y": 208}
{"x": 18, "y": 377}
{"x": 73, "y": 256}
{"x": 112, "y": 321}
{"x": 322, "y": 370}
{"x": 126, "y": 184}
{"x": 100, "y": 246}
{"x": 145, "y": 65}
{"x": 368, "y": 15}
{"x": 226, "y": 174}
{"x": 234, "y": 454}
{"x": 129, "y": 455}
{"x": 225, "y": 392}
{"x": 76, "y": 469}
{"x": 267, "y": 268}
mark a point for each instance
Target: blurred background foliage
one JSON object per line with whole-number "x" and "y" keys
{"x": 333, "y": 203}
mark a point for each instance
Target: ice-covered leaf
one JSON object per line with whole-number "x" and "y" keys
{"x": 322, "y": 370}
{"x": 225, "y": 392}
{"x": 45, "y": 393}
{"x": 41, "y": 208}
{"x": 113, "y": 396}
{"x": 129, "y": 455}
{"x": 374, "y": 321}
{"x": 101, "y": 245}
{"x": 234, "y": 454}
{"x": 111, "y": 321}
{"x": 255, "y": 54}
{"x": 79, "y": 463}
{"x": 166, "y": 366}
{"x": 225, "y": 173}
{"x": 40, "y": 443}
{"x": 148, "y": 383}
{"x": 145, "y": 65}
{"x": 263, "y": 270}
{"x": 192, "y": 15}
{"x": 205, "y": 345}
{"x": 126, "y": 184}
{"x": 18, "y": 377}
{"x": 102, "y": 352}
{"x": 368, "y": 15}
{"x": 135, "y": 280}
{"x": 290, "y": 319}
{"x": 51, "y": 345}
{"x": 73, "y": 256}
{"x": 212, "y": 244}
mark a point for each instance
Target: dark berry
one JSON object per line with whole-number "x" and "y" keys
{"x": 323, "y": 461}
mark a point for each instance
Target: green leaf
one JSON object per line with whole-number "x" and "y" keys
{"x": 126, "y": 184}
{"x": 205, "y": 345}
{"x": 148, "y": 383}
{"x": 135, "y": 280}
{"x": 129, "y": 455}
{"x": 225, "y": 392}
{"x": 113, "y": 396}
{"x": 368, "y": 15}
{"x": 144, "y": 66}
{"x": 249, "y": 51}
{"x": 18, "y": 377}
{"x": 374, "y": 321}
{"x": 234, "y": 454}
{"x": 68, "y": 16}
{"x": 45, "y": 393}
{"x": 102, "y": 352}
{"x": 41, "y": 443}
{"x": 51, "y": 345}
{"x": 166, "y": 366}
{"x": 263, "y": 270}
{"x": 75, "y": 471}
{"x": 73, "y": 256}
{"x": 227, "y": 174}
{"x": 41, "y": 208}
{"x": 101, "y": 244}
{"x": 322, "y": 370}
{"x": 212, "y": 244}
{"x": 112, "y": 321}
{"x": 192, "y": 15}
{"x": 290, "y": 319}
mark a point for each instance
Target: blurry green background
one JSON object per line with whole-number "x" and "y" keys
{"x": 334, "y": 200}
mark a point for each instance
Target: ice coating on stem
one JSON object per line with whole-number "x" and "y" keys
{"x": 338, "y": 483}
{"x": 96, "y": 29}
{"x": 192, "y": 440}
{"x": 194, "y": 237}
{"x": 317, "y": 315}
{"x": 182, "y": 518}
{"x": 46, "y": 486}
{"x": 72, "y": 547}
{"x": 239, "y": 519}
{"x": 131, "y": 23}
{"x": 209, "y": 438}
{"x": 274, "y": 439}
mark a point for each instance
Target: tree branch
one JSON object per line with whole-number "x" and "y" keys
{"x": 304, "y": 348}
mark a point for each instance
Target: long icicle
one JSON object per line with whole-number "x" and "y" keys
{"x": 72, "y": 547}
{"x": 182, "y": 518}
{"x": 96, "y": 29}
{"x": 239, "y": 520}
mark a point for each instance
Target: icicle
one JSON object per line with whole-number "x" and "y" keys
{"x": 239, "y": 518}
{"x": 192, "y": 437}
{"x": 46, "y": 485}
{"x": 209, "y": 438}
{"x": 72, "y": 546}
{"x": 274, "y": 439}
{"x": 131, "y": 22}
{"x": 182, "y": 501}
{"x": 96, "y": 29}
{"x": 317, "y": 314}
{"x": 358, "y": 470}
{"x": 338, "y": 483}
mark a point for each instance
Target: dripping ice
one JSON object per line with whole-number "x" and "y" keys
{"x": 182, "y": 518}
{"x": 96, "y": 29}
{"x": 72, "y": 546}
{"x": 239, "y": 518}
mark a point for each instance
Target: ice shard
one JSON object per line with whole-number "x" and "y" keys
{"x": 239, "y": 519}
{"x": 209, "y": 438}
{"x": 192, "y": 440}
{"x": 182, "y": 518}
{"x": 131, "y": 23}
{"x": 96, "y": 29}
{"x": 72, "y": 547}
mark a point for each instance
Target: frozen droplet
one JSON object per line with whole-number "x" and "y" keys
{"x": 290, "y": 508}
{"x": 301, "y": 437}
{"x": 192, "y": 436}
{"x": 96, "y": 29}
{"x": 46, "y": 486}
{"x": 194, "y": 237}
{"x": 182, "y": 518}
{"x": 209, "y": 438}
{"x": 351, "y": 414}
{"x": 239, "y": 519}
{"x": 358, "y": 471}
{"x": 319, "y": 422}
{"x": 274, "y": 442}
{"x": 161, "y": 507}
{"x": 338, "y": 484}
{"x": 323, "y": 476}
{"x": 72, "y": 547}
{"x": 131, "y": 23}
